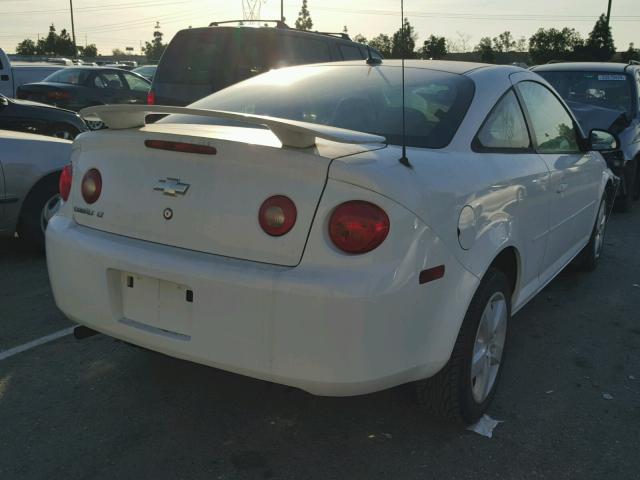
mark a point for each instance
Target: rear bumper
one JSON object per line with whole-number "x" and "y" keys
{"x": 327, "y": 331}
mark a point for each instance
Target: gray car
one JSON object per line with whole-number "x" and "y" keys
{"x": 605, "y": 96}
{"x": 30, "y": 167}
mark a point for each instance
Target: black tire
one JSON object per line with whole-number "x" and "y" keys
{"x": 448, "y": 395}
{"x": 30, "y": 228}
{"x": 624, "y": 203}
{"x": 589, "y": 257}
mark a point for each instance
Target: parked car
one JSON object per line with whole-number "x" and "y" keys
{"x": 606, "y": 95}
{"x": 12, "y": 75}
{"x": 200, "y": 61}
{"x": 77, "y": 87}
{"x": 30, "y": 167}
{"x": 276, "y": 229}
{"x": 39, "y": 118}
{"x": 147, "y": 71}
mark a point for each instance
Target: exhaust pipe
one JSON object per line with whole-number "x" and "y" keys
{"x": 81, "y": 332}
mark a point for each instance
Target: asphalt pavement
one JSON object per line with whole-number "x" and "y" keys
{"x": 569, "y": 398}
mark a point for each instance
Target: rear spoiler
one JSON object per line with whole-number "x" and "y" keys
{"x": 291, "y": 133}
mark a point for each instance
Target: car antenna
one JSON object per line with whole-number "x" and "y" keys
{"x": 403, "y": 159}
{"x": 370, "y": 59}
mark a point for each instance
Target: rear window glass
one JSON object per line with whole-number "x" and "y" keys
{"x": 71, "y": 76}
{"x": 350, "y": 52}
{"x": 603, "y": 89}
{"x": 353, "y": 97}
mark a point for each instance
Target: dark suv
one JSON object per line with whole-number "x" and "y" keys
{"x": 200, "y": 61}
{"x": 605, "y": 96}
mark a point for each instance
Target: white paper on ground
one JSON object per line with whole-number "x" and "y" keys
{"x": 484, "y": 426}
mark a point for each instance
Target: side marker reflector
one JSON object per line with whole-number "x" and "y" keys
{"x": 431, "y": 274}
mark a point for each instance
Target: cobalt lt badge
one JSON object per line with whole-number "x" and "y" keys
{"x": 167, "y": 214}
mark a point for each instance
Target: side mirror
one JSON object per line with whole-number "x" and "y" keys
{"x": 3, "y": 101}
{"x": 602, "y": 141}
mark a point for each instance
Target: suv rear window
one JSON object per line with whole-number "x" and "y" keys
{"x": 353, "y": 97}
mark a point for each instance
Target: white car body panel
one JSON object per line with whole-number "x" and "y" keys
{"x": 300, "y": 312}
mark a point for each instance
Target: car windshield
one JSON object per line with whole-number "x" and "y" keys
{"x": 602, "y": 89}
{"x": 73, "y": 76}
{"x": 362, "y": 98}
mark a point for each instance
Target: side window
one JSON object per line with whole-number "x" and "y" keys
{"x": 552, "y": 126}
{"x": 308, "y": 50}
{"x": 350, "y": 52}
{"x": 112, "y": 80}
{"x": 505, "y": 127}
{"x": 136, "y": 84}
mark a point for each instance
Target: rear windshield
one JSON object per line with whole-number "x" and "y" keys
{"x": 355, "y": 97}
{"x": 72, "y": 76}
{"x": 603, "y": 89}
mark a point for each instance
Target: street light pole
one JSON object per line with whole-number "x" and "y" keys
{"x": 608, "y": 13}
{"x": 282, "y": 10}
{"x": 73, "y": 31}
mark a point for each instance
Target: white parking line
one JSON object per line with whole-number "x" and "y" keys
{"x": 34, "y": 343}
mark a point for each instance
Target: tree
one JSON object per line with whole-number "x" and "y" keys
{"x": 345, "y": 29}
{"x": 599, "y": 46}
{"x": 521, "y": 44}
{"x": 116, "y": 52}
{"x": 64, "y": 44}
{"x": 410, "y": 37}
{"x": 434, "y": 48}
{"x": 504, "y": 42}
{"x": 154, "y": 49}
{"x": 90, "y": 51}
{"x": 26, "y": 47}
{"x": 360, "y": 38}
{"x": 631, "y": 54}
{"x": 553, "y": 44}
{"x": 485, "y": 47}
{"x": 47, "y": 45}
{"x": 382, "y": 43}
{"x": 304, "y": 21}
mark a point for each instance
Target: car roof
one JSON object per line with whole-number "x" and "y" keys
{"x": 583, "y": 66}
{"x": 448, "y": 66}
{"x": 278, "y": 30}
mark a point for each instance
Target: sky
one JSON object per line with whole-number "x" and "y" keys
{"x": 119, "y": 24}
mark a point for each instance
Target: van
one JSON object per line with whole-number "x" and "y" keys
{"x": 200, "y": 61}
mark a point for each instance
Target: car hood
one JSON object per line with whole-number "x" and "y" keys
{"x": 591, "y": 116}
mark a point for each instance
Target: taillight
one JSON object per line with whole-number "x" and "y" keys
{"x": 64, "y": 183}
{"x": 180, "y": 147}
{"x": 91, "y": 186}
{"x": 58, "y": 95}
{"x": 277, "y": 215}
{"x": 151, "y": 97}
{"x": 358, "y": 226}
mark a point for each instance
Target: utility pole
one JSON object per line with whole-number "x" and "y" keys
{"x": 73, "y": 31}
{"x": 608, "y": 13}
{"x": 282, "y": 10}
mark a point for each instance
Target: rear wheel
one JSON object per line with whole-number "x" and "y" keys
{"x": 590, "y": 255}
{"x": 464, "y": 388}
{"x": 40, "y": 205}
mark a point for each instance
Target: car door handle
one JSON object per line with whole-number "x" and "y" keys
{"x": 562, "y": 187}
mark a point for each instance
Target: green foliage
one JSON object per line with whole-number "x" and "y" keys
{"x": 504, "y": 42}
{"x": 116, "y": 52}
{"x": 553, "y": 44}
{"x": 410, "y": 37}
{"x": 631, "y": 54}
{"x": 304, "y": 21}
{"x": 434, "y": 47}
{"x": 599, "y": 46}
{"x": 485, "y": 47}
{"x": 26, "y": 47}
{"x": 360, "y": 38}
{"x": 154, "y": 49}
{"x": 90, "y": 51}
{"x": 382, "y": 43}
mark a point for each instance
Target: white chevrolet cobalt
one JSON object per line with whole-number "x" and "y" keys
{"x": 275, "y": 228}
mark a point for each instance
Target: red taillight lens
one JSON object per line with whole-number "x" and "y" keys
{"x": 277, "y": 215}
{"x": 358, "y": 226}
{"x": 57, "y": 95}
{"x": 64, "y": 183}
{"x": 151, "y": 97}
{"x": 91, "y": 186}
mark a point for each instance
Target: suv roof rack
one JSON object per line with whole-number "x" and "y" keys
{"x": 335, "y": 34}
{"x": 279, "y": 23}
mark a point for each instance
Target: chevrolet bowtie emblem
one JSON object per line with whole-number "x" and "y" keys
{"x": 171, "y": 186}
